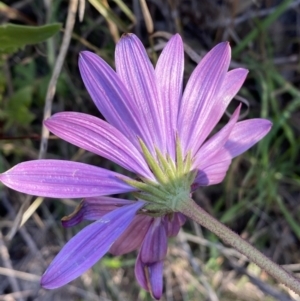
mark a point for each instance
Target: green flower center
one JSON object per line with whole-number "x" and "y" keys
{"x": 172, "y": 185}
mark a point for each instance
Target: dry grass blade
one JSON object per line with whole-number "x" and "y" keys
{"x": 113, "y": 28}
{"x": 32, "y": 208}
{"x": 125, "y": 9}
{"x": 262, "y": 285}
{"x": 147, "y": 17}
{"x": 17, "y": 295}
{"x": 19, "y": 274}
{"x": 108, "y": 14}
{"x": 81, "y": 8}
{"x": 73, "y": 5}
{"x": 7, "y": 263}
{"x": 18, "y": 219}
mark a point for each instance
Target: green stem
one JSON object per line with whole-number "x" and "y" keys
{"x": 193, "y": 211}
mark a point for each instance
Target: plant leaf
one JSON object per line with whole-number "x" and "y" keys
{"x": 13, "y": 37}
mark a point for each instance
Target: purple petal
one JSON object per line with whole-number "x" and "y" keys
{"x": 232, "y": 83}
{"x": 63, "y": 179}
{"x": 180, "y": 218}
{"x": 215, "y": 170}
{"x": 137, "y": 73}
{"x": 140, "y": 274}
{"x": 88, "y": 246}
{"x": 155, "y": 244}
{"x": 169, "y": 79}
{"x": 156, "y": 279}
{"x": 245, "y": 134}
{"x": 174, "y": 224}
{"x": 99, "y": 137}
{"x": 215, "y": 143}
{"x": 150, "y": 277}
{"x": 133, "y": 236}
{"x": 110, "y": 95}
{"x": 93, "y": 209}
{"x": 200, "y": 95}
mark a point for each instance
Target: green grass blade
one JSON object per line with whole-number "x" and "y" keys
{"x": 108, "y": 14}
{"x": 264, "y": 25}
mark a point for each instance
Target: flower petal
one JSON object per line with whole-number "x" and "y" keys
{"x": 169, "y": 80}
{"x": 214, "y": 172}
{"x": 215, "y": 143}
{"x": 137, "y": 73}
{"x": 173, "y": 226}
{"x": 245, "y": 134}
{"x": 99, "y": 137}
{"x": 95, "y": 208}
{"x": 232, "y": 83}
{"x": 110, "y": 95}
{"x": 200, "y": 95}
{"x": 132, "y": 238}
{"x": 92, "y": 209}
{"x": 156, "y": 279}
{"x": 88, "y": 246}
{"x": 150, "y": 277}
{"x": 155, "y": 244}
{"x": 140, "y": 273}
{"x": 63, "y": 179}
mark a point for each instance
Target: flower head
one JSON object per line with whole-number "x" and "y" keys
{"x": 153, "y": 130}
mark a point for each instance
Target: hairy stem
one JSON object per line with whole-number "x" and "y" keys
{"x": 192, "y": 210}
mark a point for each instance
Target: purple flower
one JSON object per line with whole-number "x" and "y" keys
{"x": 153, "y": 130}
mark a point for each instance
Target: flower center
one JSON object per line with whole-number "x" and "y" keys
{"x": 173, "y": 181}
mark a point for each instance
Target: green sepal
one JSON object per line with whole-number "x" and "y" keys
{"x": 179, "y": 158}
{"x": 148, "y": 197}
{"x": 191, "y": 176}
{"x": 145, "y": 187}
{"x": 155, "y": 185}
{"x": 165, "y": 165}
{"x": 187, "y": 163}
{"x": 171, "y": 163}
{"x": 159, "y": 174}
{"x": 173, "y": 180}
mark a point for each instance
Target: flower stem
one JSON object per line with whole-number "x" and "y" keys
{"x": 193, "y": 211}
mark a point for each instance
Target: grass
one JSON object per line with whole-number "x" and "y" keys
{"x": 259, "y": 199}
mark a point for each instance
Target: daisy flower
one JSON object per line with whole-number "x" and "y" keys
{"x": 152, "y": 129}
